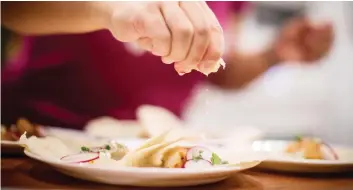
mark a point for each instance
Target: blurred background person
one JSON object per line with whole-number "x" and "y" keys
{"x": 67, "y": 80}
{"x": 291, "y": 98}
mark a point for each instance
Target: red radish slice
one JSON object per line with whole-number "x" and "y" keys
{"x": 15, "y": 135}
{"x": 80, "y": 158}
{"x": 197, "y": 151}
{"x": 197, "y": 164}
{"x": 329, "y": 150}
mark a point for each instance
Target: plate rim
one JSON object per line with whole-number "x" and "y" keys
{"x": 7, "y": 142}
{"x": 150, "y": 170}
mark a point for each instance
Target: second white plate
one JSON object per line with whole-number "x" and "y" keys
{"x": 280, "y": 161}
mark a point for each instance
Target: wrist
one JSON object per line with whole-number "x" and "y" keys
{"x": 271, "y": 58}
{"x": 102, "y": 12}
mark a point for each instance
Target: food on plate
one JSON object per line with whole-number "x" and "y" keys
{"x": 22, "y": 125}
{"x": 113, "y": 128}
{"x": 155, "y": 120}
{"x": 312, "y": 148}
{"x": 52, "y": 147}
{"x": 169, "y": 151}
{"x": 116, "y": 150}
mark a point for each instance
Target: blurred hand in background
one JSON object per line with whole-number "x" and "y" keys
{"x": 304, "y": 41}
{"x": 299, "y": 40}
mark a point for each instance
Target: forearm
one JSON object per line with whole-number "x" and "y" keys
{"x": 242, "y": 69}
{"x": 37, "y": 18}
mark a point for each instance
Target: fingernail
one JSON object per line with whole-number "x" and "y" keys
{"x": 182, "y": 72}
{"x": 167, "y": 61}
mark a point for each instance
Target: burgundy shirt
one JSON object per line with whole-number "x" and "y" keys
{"x": 66, "y": 80}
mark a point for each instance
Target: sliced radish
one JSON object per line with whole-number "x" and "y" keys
{"x": 80, "y": 158}
{"x": 328, "y": 150}
{"x": 197, "y": 152}
{"x": 15, "y": 135}
{"x": 197, "y": 164}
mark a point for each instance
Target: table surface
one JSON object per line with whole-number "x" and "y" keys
{"x": 22, "y": 172}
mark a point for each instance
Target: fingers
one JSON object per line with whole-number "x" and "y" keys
{"x": 294, "y": 30}
{"x": 152, "y": 32}
{"x": 131, "y": 23}
{"x": 187, "y": 33}
{"x": 181, "y": 30}
{"x": 158, "y": 32}
{"x": 212, "y": 59}
{"x": 201, "y": 38}
{"x": 144, "y": 23}
{"x": 319, "y": 41}
{"x": 207, "y": 45}
{"x": 145, "y": 43}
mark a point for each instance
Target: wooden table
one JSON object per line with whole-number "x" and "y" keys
{"x": 22, "y": 172}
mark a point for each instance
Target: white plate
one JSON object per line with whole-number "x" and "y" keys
{"x": 13, "y": 147}
{"x": 9, "y": 143}
{"x": 151, "y": 177}
{"x": 278, "y": 160}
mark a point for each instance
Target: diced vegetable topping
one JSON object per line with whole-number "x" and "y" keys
{"x": 197, "y": 152}
{"x": 201, "y": 153}
{"x": 96, "y": 149}
{"x": 198, "y": 157}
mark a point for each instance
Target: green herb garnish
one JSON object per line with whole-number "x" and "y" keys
{"x": 225, "y": 162}
{"x": 298, "y": 138}
{"x": 83, "y": 148}
{"x": 107, "y": 147}
{"x": 215, "y": 159}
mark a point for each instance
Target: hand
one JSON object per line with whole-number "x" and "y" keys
{"x": 187, "y": 33}
{"x": 301, "y": 40}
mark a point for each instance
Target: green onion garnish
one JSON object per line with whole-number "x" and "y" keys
{"x": 84, "y": 149}
{"x": 298, "y": 138}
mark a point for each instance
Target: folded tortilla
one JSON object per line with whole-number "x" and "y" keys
{"x": 157, "y": 152}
